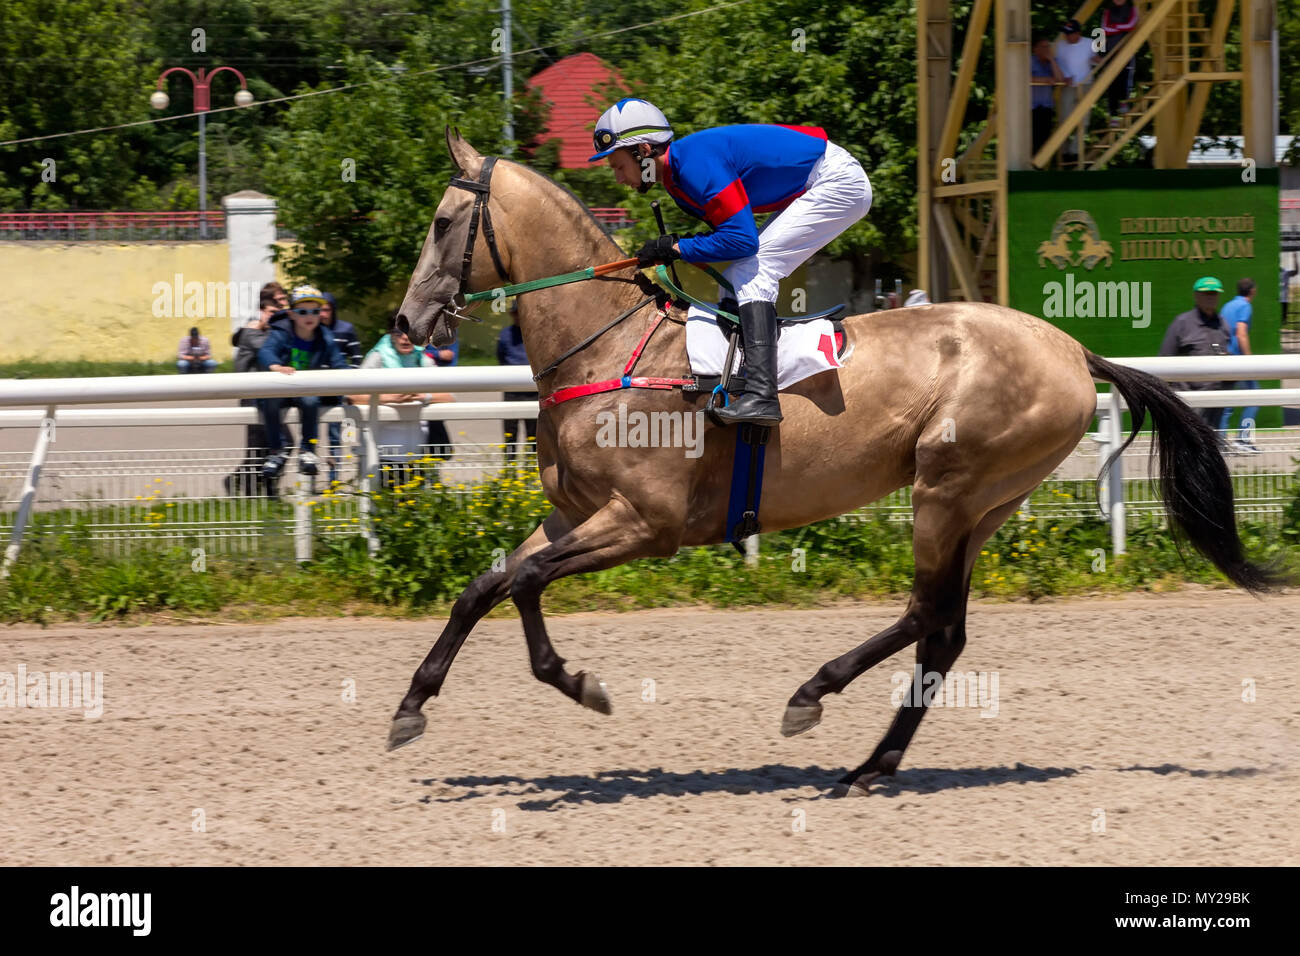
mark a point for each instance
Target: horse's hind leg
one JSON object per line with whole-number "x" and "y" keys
{"x": 935, "y": 654}
{"x": 484, "y": 593}
{"x": 940, "y": 535}
{"x": 614, "y": 535}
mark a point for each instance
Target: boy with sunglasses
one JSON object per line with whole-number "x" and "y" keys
{"x": 297, "y": 343}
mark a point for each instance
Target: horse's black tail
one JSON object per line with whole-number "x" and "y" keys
{"x": 1194, "y": 479}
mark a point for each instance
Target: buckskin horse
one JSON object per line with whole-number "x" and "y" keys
{"x": 971, "y": 404}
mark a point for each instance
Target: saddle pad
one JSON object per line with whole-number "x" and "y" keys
{"x": 803, "y": 348}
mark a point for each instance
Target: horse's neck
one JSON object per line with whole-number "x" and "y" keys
{"x": 554, "y": 320}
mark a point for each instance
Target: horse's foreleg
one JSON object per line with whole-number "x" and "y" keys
{"x": 484, "y": 593}
{"x": 612, "y": 536}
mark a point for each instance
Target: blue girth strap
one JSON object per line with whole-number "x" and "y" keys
{"x": 746, "y": 483}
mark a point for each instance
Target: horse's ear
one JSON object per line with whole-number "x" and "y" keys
{"x": 468, "y": 160}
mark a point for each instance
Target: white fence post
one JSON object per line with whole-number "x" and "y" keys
{"x": 1115, "y": 473}
{"x": 44, "y": 435}
{"x": 301, "y": 520}
{"x": 369, "y": 459}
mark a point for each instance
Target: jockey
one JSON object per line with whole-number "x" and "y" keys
{"x": 724, "y": 176}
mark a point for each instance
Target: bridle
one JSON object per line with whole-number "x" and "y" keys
{"x": 482, "y": 190}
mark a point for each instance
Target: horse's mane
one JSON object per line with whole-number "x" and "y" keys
{"x": 586, "y": 210}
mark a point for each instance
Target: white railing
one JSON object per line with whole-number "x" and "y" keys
{"x": 48, "y": 395}
{"x": 42, "y": 404}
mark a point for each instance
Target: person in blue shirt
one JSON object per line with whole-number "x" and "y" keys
{"x": 1237, "y": 314}
{"x": 297, "y": 343}
{"x": 1043, "y": 75}
{"x": 726, "y": 176}
{"x": 435, "y": 431}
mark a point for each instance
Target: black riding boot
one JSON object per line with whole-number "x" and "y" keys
{"x": 759, "y": 404}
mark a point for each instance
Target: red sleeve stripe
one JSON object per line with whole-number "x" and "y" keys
{"x": 726, "y": 203}
{"x": 816, "y": 131}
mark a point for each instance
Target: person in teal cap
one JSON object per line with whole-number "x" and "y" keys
{"x": 1200, "y": 331}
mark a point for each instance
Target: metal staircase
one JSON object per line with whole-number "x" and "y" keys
{"x": 1185, "y": 50}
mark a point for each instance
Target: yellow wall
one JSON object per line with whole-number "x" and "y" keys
{"x": 90, "y": 300}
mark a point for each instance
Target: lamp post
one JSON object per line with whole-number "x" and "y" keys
{"x": 202, "y": 103}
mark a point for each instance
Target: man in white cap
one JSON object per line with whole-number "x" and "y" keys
{"x": 725, "y": 176}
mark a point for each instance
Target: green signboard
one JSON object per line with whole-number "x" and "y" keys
{"x": 1110, "y": 257}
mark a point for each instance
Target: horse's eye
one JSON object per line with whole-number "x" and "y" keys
{"x": 440, "y": 227}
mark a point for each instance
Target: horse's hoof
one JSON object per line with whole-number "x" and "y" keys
{"x": 797, "y": 719}
{"x": 406, "y": 730}
{"x": 889, "y": 761}
{"x": 859, "y": 784}
{"x": 594, "y": 694}
{"x": 857, "y": 787}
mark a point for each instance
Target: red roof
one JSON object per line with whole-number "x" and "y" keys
{"x": 568, "y": 86}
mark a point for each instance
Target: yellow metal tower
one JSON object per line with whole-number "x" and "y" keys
{"x": 962, "y": 197}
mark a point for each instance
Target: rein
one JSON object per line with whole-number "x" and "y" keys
{"x": 591, "y": 338}
{"x": 482, "y": 190}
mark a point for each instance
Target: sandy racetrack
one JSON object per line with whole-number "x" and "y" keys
{"x": 1129, "y": 708}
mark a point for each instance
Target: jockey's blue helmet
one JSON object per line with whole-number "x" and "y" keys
{"x": 628, "y": 122}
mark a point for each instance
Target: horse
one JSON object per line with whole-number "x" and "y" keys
{"x": 971, "y": 404}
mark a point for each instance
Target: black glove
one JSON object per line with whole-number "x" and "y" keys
{"x": 658, "y": 250}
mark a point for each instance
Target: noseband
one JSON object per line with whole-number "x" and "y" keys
{"x": 482, "y": 190}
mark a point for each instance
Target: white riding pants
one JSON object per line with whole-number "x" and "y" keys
{"x": 836, "y": 196}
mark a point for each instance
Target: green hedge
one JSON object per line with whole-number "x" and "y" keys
{"x": 435, "y": 539}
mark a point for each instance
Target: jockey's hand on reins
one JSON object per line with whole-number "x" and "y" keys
{"x": 659, "y": 249}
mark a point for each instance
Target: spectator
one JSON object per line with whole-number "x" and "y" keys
{"x": 1284, "y": 293}
{"x": 1237, "y": 315}
{"x": 1200, "y": 331}
{"x": 510, "y": 351}
{"x": 345, "y": 334}
{"x": 247, "y": 339}
{"x": 297, "y": 343}
{"x": 1119, "y": 20}
{"x": 194, "y": 355}
{"x": 435, "y": 433}
{"x": 1044, "y": 74}
{"x": 395, "y": 350}
{"x": 272, "y": 305}
{"x": 444, "y": 356}
{"x": 1075, "y": 59}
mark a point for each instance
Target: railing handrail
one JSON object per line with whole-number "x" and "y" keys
{"x": 216, "y": 385}
{"x": 516, "y": 378}
{"x": 250, "y": 415}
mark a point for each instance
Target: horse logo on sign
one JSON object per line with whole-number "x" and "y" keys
{"x": 1075, "y": 225}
